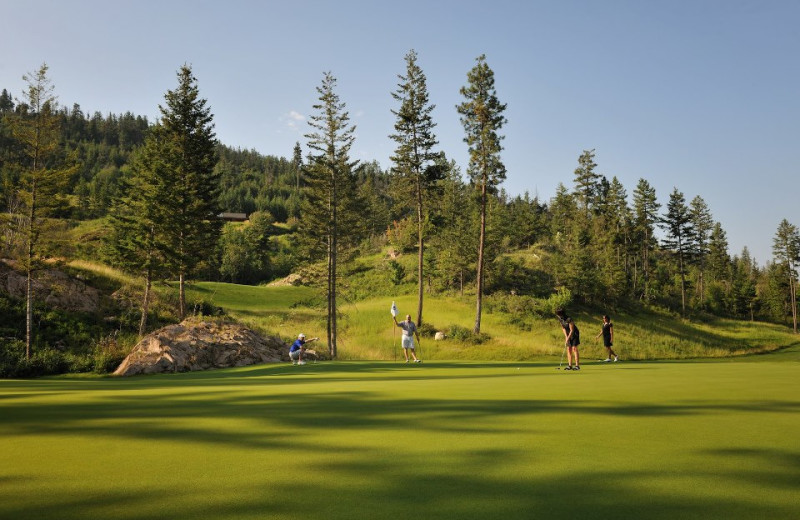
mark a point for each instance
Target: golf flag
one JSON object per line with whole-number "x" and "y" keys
{"x": 394, "y": 310}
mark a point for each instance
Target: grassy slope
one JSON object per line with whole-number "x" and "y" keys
{"x": 366, "y": 330}
{"x": 442, "y": 440}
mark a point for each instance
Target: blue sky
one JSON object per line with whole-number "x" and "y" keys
{"x": 701, "y": 95}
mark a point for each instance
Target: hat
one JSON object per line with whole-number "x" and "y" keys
{"x": 301, "y": 336}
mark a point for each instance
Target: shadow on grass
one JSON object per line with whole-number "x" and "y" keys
{"x": 458, "y": 483}
{"x": 448, "y": 485}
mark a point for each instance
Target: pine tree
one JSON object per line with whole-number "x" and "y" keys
{"x": 414, "y": 158}
{"x": 587, "y": 182}
{"x": 455, "y": 241}
{"x": 719, "y": 261}
{"x": 190, "y": 153}
{"x": 329, "y": 207}
{"x": 297, "y": 164}
{"x": 645, "y": 211}
{"x": 482, "y": 118}
{"x": 678, "y": 226}
{"x": 139, "y": 242}
{"x": 786, "y": 248}
{"x": 702, "y": 224}
{"x": 42, "y": 179}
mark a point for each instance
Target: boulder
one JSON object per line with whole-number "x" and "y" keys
{"x": 201, "y": 345}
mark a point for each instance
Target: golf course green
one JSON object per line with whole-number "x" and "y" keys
{"x": 439, "y": 440}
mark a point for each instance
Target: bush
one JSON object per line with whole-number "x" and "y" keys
{"x": 426, "y": 330}
{"x": 560, "y": 300}
{"x": 465, "y": 335}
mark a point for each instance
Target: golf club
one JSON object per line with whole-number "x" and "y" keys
{"x": 562, "y": 357}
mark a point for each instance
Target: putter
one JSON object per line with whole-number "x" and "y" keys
{"x": 562, "y": 357}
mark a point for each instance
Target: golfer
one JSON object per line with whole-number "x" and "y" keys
{"x": 572, "y": 338}
{"x": 409, "y": 331}
{"x": 298, "y": 349}
{"x": 608, "y": 338}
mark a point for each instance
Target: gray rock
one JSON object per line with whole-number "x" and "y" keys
{"x": 201, "y": 345}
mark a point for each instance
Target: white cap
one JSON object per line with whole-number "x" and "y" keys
{"x": 301, "y": 336}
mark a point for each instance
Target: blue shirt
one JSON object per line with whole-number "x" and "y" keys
{"x": 297, "y": 345}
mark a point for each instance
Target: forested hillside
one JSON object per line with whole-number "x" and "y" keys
{"x": 596, "y": 242}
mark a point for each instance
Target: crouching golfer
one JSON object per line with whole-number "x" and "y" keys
{"x": 409, "y": 331}
{"x": 298, "y": 348}
{"x": 572, "y": 338}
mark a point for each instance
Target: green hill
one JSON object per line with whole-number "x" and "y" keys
{"x": 366, "y": 330}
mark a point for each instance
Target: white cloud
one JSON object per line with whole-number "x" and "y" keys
{"x": 293, "y": 119}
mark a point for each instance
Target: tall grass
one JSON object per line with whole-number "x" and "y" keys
{"x": 366, "y": 330}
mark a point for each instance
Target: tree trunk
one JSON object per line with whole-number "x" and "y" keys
{"x": 683, "y": 278}
{"x": 145, "y": 302}
{"x": 29, "y": 270}
{"x": 481, "y": 242}
{"x": 181, "y": 296}
{"x": 793, "y": 296}
{"x": 332, "y": 245}
{"x": 421, "y": 253}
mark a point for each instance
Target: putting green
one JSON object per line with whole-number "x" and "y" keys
{"x": 350, "y": 440}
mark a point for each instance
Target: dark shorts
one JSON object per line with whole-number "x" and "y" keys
{"x": 608, "y": 344}
{"x": 574, "y": 342}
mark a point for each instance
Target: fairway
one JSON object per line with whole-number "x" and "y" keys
{"x": 353, "y": 440}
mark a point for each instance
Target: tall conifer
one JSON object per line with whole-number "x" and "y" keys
{"x": 329, "y": 204}
{"x": 37, "y": 131}
{"x": 786, "y": 248}
{"x": 678, "y": 225}
{"x": 482, "y": 118}
{"x": 645, "y": 210}
{"x": 190, "y": 153}
{"x": 414, "y": 158}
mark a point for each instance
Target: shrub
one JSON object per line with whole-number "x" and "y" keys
{"x": 465, "y": 335}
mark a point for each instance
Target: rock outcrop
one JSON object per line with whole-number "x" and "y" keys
{"x": 53, "y": 287}
{"x": 201, "y": 345}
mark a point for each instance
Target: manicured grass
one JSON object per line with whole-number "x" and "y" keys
{"x": 441, "y": 440}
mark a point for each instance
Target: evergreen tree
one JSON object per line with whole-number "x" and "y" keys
{"x": 743, "y": 286}
{"x": 6, "y": 103}
{"x": 678, "y": 226}
{"x": 42, "y": 177}
{"x": 414, "y": 158}
{"x": 719, "y": 261}
{"x": 786, "y": 248}
{"x": 702, "y": 224}
{"x": 190, "y": 146}
{"x": 645, "y": 211}
{"x": 455, "y": 241}
{"x": 297, "y": 163}
{"x": 329, "y": 206}
{"x": 620, "y": 219}
{"x": 587, "y": 182}
{"x": 139, "y": 241}
{"x": 482, "y": 118}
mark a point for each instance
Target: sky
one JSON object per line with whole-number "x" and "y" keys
{"x": 698, "y": 95}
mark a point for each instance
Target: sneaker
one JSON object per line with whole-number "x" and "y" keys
{"x": 616, "y": 358}
{"x": 406, "y": 361}
{"x": 301, "y": 362}
{"x": 607, "y": 360}
{"x": 417, "y": 361}
{"x": 576, "y": 367}
{"x": 567, "y": 367}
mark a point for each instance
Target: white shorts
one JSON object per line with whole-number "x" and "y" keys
{"x": 408, "y": 342}
{"x": 295, "y": 354}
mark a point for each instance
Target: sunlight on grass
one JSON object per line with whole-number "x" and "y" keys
{"x": 343, "y": 440}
